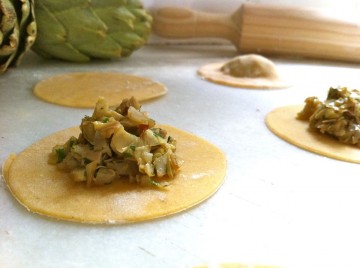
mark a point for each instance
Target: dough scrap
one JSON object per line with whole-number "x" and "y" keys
{"x": 82, "y": 89}
{"x": 44, "y": 189}
{"x": 245, "y": 71}
{"x": 283, "y": 123}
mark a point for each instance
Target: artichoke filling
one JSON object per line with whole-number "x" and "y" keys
{"x": 120, "y": 143}
{"x": 250, "y": 66}
{"x": 337, "y": 116}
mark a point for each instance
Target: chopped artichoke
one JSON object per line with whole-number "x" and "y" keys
{"x": 125, "y": 145}
{"x": 102, "y": 111}
{"x": 90, "y": 172}
{"x": 250, "y": 66}
{"x": 161, "y": 163}
{"x": 123, "y": 139}
{"x": 78, "y": 174}
{"x": 337, "y": 116}
{"x": 104, "y": 176}
{"x": 137, "y": 117}
{"x": 151, "y": 138}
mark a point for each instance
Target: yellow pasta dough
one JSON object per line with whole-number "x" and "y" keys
{"x": 44, "y": 189}
{"x": 282, "y": 122}
{"x": 83, "y": 89}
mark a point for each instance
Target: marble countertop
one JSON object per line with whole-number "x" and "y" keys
{"x": 279, "y": 205}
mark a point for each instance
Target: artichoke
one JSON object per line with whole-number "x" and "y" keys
{"x": 17, "y": 31}
{"x": 81, "y": 30}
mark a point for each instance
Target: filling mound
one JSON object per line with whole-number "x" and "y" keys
{"x": 121, "y": 143}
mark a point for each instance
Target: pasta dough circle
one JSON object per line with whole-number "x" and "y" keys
{"x": 282, "y": 122}
{"x": 44, "y": 189}
{"x": 82, "y": 89}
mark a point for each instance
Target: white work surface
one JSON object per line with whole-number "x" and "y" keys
{"x": 279, "y": 205}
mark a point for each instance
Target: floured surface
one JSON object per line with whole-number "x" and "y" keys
{"x": 43, "y": 189}
{"x": 282, "y": 121}
{"x": 83, "y": 89}
{"x": 237, "y": 265}
{"x": 279, "y": 205}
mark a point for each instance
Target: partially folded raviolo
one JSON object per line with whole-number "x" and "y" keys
{"x": 244, "y": 71}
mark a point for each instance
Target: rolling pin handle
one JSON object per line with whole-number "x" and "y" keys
{"x": 182, "y": 23}
{"x": 267, "y": 29}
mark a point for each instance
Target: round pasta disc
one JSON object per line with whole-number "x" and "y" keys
{"x": 44, "y": 189}
{"x": 83, "y": 89}
{"x": 282, "y": 122}
{"x": 212, "y": 73}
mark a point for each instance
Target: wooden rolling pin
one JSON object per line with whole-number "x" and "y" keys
{"x": 267, "y": 29}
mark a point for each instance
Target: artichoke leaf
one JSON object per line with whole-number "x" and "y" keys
{"x": 63, "y": 51}
{"x": 25, "y": 12}
{"x": 134, "y": 3}
{"x": 109, "y": 49}
{"x": 89, "y": 35}
{"x": 141, "y": 14}
{"x": 18, "y": 31}
{"x": 142, "y": 18}
{"x": 27, "y": 28}
{"x": 8, "y": 18}
{"x": 54, "y": 37}
{"x": 32, "y": 32}
{"x": 128, "y": 40}
{"x": 108, "y": 3}
{"x": 60, "y": 6}
{"x": 9, "y": 51}
{"x": 55, "y": 31}
{"x": 142, "y": 28}
{"x": 91, "y": 28}
{"x": 69, "y": 39}
{"x": 113, "y": 16}
{"x": 15, "y": 17}
{"x": 11, "y": 47}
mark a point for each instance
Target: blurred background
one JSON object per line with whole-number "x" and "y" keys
{"x": 345, "y": 10}
{"x": 231, "y": 5}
